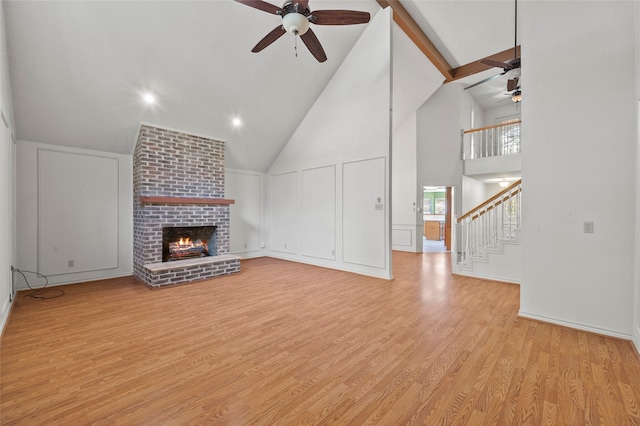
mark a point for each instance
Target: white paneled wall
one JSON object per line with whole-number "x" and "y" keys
{"x": 284, "y": 213}
{"x": 319, "y": 212}
{"x": 247, "y": 214}
{"x": 363, "y": 201}
{"x": 76, "y": 214}
{"x": 326, "y": 181}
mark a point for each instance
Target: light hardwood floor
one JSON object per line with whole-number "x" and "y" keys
{"x": 285, "y": 343}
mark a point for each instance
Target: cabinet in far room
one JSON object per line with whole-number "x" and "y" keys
{"x": 432, "y": 230}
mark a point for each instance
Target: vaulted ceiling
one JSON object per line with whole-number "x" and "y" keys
{"x": 79, "y": 68}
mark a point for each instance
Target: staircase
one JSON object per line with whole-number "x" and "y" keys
{"x": 487, "y": 238}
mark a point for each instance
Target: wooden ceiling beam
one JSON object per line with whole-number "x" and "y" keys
{"x": 415, "y": 33}
{"x": 476, "y": 66}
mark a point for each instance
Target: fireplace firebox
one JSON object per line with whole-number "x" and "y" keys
{"x": 188, "y": 242}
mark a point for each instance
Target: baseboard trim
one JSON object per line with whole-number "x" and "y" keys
{"x": 485, "y": 278}
{"x": 576, "y": 326}
{"x": 4, "y": 321}
{"x": 79, "y": 281}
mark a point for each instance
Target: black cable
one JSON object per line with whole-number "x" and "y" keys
{"x": 39, "y": 292}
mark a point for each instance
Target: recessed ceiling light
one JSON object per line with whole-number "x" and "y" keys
{"x": 236, "y": 121}
{"x": 149, "y": 98}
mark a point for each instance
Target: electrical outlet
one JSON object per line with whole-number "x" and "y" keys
{"x": 587, "y": 227}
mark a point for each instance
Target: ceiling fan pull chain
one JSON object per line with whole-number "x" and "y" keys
{"x": 295, "y": 44}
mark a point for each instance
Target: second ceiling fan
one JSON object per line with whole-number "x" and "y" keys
{"x": 296, "y": 17}
{"x": 507, "y": 66}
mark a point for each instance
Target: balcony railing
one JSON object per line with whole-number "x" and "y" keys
{"x": 491, "y": 141}
{"x": 488, "y": 225}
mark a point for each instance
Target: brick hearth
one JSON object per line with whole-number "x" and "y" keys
{"x": 178, "y": 180}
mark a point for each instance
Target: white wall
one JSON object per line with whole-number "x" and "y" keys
{"x": 248, "y": 215}
{"x": 474, "y": 192}
{"x": 414, "y": 77}
{"x": 502, "y": 165}
{"x": 636, "y": 309}
{"x": 7, "y": 181}
{"x": 70, "y": 201}
{"x": 508, "y": 110}
{"x": 581, "y": 140}
{"x": 406, "y": 233}
{"x": 439, "y": 122}
{"x": 318, "y": 227}
{"x": 414, "y": 80}
{"x": 347, "y": 130}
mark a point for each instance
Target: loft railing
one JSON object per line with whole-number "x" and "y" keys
{"x": 488, "y": 225}
{"x": 491, "y": 141}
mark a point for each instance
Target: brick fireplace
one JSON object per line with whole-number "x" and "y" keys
{"x": 178, "y": 183}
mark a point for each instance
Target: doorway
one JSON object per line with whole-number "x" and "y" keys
{"x": 436, "y": 217}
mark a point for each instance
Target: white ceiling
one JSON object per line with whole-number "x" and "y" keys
{"x": 78, "y": 68}
{"x": 467, "y": 30}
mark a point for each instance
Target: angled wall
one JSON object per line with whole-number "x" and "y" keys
{"x": 334, "y": 173}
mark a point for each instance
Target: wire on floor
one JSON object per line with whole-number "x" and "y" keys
{"x": 40, "y": 293}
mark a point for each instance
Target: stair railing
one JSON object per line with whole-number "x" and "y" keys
{"x": 488, "y": 225}
{"x": 491, "y": 141}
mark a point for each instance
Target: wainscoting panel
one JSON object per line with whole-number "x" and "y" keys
{"x": 402, "y": 237}
{"x": 319, "y": 212}
{"x": 363, "y": 189}
{"x": 77, "y": 212}
{"x": 284, "y": 213}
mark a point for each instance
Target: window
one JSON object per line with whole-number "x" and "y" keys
{"x": 509, "y": 135}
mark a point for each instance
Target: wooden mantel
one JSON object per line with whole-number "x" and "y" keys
{"x": 183, "y": 200}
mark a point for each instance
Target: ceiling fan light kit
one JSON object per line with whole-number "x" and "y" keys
{"x": 516, "y": 96}
{"x": 296, "y": 17}
{"x": 295, "y": 23}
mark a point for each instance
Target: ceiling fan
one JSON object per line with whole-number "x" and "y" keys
{"x": 507, "y": 66}
{"x": 296, "y": 17}
{"x": 515, "y": 95}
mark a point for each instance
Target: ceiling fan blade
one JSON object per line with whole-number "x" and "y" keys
{"x": 339, "y": 17}
{"x": 497, "y": 64}
{"x": 512, "y": 84}
{"x": 275, "y": 34}
{"x": 262, "y": 5}
{"x": 313, "y": 44}
{"x": 482, "y": 81}
{"x": 303, "y": 4}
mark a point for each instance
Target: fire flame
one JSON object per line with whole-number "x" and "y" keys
{"x": 185, "y": 242}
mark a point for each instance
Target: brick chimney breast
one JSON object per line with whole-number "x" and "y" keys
{"x": 177, "y": 165}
